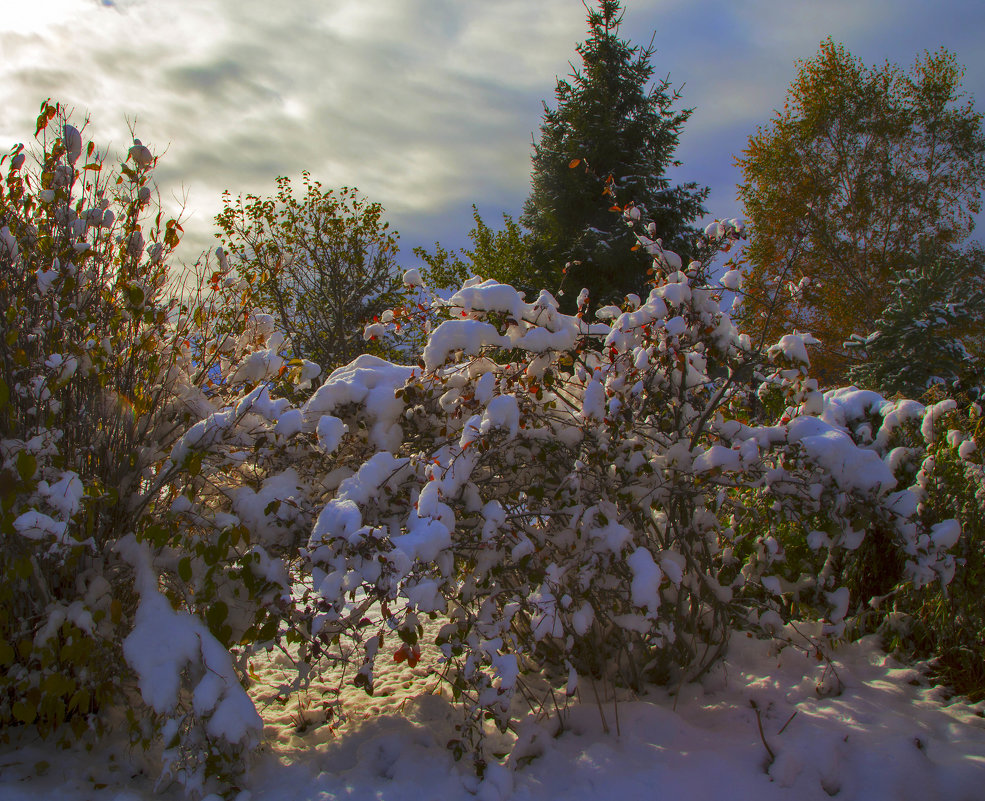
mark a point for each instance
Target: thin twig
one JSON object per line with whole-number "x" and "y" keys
{"x": 762, "y": 735}
{"x": 615, "y": 709}
{"x": 784, "y": 726}
{"x": 598, "y": 701}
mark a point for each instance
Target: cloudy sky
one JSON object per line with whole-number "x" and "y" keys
{"x": 426, "y": 106}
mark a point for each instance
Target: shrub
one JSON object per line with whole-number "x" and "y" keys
{"x": 921, "y": 610}
{"x": 944, "y": 621}
{"x": 79, "y": 412}
{"x": 125, "y": 579}
{"x": 594, "y": 500}
{"x": 322, "y": 264}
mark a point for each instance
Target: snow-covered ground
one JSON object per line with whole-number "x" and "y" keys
{"x": 887, "y": 735}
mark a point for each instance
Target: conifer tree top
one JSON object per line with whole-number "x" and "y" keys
{"x": 608, "y": 142}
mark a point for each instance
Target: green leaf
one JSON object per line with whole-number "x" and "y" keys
{"x": 156, "y": 534}
{"x": 408, "y": 636}
{"x": 24, "y": 712}
{"x": 27, "y": 465}
{"x": 185, "y": 569}
{"x": 79, "y": 700}
{"x": 57, "y": 685}
{"x": 22, "y": 568}
{"x": 195, "y": 463}
{"x": 6, "y": 653}
{"x": 216, "y": 615}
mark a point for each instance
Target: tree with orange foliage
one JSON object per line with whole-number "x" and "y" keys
{"x": 865, "y": 173}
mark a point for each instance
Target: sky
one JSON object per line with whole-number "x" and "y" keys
{"x": 427, "y": 106}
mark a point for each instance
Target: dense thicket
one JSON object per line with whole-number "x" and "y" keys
{"x": 127, "y": 581}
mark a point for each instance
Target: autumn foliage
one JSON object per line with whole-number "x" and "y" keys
{"x": 866, "y": 172}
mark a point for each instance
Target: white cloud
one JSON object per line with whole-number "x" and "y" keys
{"x": 421, "y": 104}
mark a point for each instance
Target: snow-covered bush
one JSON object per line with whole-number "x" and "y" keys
{"x": 592, "y": 500}
{"x": 939, "y": 454}
{"x": 914, "y": 575}
{"x": 129, "y": 435}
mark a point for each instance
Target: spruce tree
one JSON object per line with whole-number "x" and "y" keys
{"x": 607, "y": 143}
{"x": 917, "y": 340}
